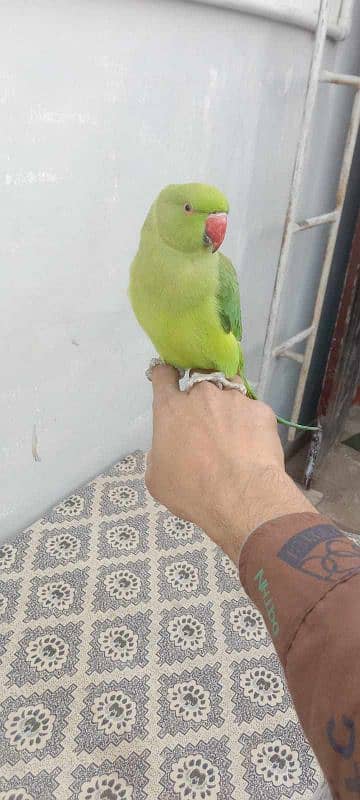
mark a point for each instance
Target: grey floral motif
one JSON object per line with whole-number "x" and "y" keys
{"x": 248, "y": 622}
{"x": 118, "y": 497}
{"x": 278, "y": 762}
{"x": 46, "y": 652}
{"x": 120, "y": 643}
{"x": 128, "y": 465}
{"x": 183, "y": 575}
{"x": 106, "y": 786}
{"x": 7, "y": 556}
{"x": 191, "y": 700}
{"x": 9, "y": 596}
{"x": 179, "y": 528}
{"x": 132, "y": 464}
{"x": 123, "y": 496}
{"x": 227, "y": 575}
{"x": 79, "y": 504}
{"x": 259, "y": 688}
{"x": 12, "y": 553}
{"x": 130, "y": 770}
{"x": 30, "y": 787}
{"x": 197, "y": 772}
{"x": 173, "y": 531}
{"x": 122, "y": 537}
{"x": 34, "y": 726}
{"x": 113, "y": 712}
{"x": 58, "y": 595}
{"x": 73, "y": 506}
{"x": 262, "y": 685}
{"x": 186, "y": 632}
{"x": 228, "y": 566}
{"x": 29, "y": 727}
{"x": 244, "y": 627}
{"x": 121, "y": 585}
{"x": 195, "y": 777}
{"x": 61, "y": 546}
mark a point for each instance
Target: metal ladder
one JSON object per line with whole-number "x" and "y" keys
{"x": 292, "y": 225}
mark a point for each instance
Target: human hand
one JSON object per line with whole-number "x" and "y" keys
{"x": 217, "y": 460}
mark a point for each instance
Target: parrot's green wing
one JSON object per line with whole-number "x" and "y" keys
{"x": 228, "y": 298}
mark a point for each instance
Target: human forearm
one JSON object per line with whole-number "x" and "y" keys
{"x": 304, "y": 576}
{"x": 270, "y": 494}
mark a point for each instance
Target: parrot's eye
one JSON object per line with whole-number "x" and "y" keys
{"x": 188, "y": 208}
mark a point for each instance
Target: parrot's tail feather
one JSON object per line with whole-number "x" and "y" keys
{"x": 249, "y": 390}
{"x": 296, "y": 425}
{"x": 288, "y": 422}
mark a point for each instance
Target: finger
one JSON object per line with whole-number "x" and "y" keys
{"x": 164, "y": 379}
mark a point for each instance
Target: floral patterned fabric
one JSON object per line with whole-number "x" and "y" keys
{"x": 133, "y": 666}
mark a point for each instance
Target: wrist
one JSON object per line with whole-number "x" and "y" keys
{"x": 267, "y": 493}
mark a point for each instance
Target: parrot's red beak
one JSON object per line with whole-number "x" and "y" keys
{"x": 215, "y": 230}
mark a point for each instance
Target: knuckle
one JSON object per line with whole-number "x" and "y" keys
{"x": 207, "y": 390}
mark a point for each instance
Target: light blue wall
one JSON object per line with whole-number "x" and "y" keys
{"x": 102, "y": 103}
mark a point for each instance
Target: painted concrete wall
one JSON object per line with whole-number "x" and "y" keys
{"x": 102, "y": 103}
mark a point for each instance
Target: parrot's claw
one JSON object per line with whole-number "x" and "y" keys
{"x": 218, "y": 378}
{"x": 155, "y": 362}
{"x": 158, "y": 362}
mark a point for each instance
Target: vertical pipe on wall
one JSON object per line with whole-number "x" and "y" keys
{"x": 312, "y": 86}
{"x": 340, "y": 197}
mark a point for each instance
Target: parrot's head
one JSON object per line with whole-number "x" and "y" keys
{"x": 192, "y": 216}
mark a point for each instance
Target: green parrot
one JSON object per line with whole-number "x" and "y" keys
{"x": 184, "y": 292}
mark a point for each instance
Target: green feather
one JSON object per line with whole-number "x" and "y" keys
{"x": 228, "y": 298}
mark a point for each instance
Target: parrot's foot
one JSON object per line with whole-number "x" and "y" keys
{"x": 155, "y": 362}
{"x": 218, "y": 378}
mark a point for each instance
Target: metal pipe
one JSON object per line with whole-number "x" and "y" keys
{"x": 288, "y": 16}
{"x": 322, "y": 219}
{"x": 343, "y": 180}
{"x": 292, "y": 355}
{"x": 340, "y": 79}
{"x": 345, "y": 17}
{"x": 294, "y": 192}
{"x": 296, "y": 339}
